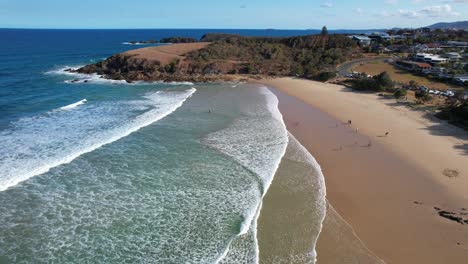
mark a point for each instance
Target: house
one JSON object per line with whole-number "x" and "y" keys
{"x": 462, "y": 79}
{"x": 379, "y": 36}
{"x": 362, "y": 40}
{"x": 453, "y": 56}
{"x": 457, "y": 44}
{"x": 430, "y": 58}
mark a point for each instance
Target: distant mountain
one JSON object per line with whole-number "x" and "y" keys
{"x": 455, "y": 25}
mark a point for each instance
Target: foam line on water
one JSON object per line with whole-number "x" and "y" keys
{"x": 71, "y": 106}
{"x": 261, "y": 148}
{"x": 304, "y": 156}
{"x": 26, "y": 157}
{"x": 96, "y": 78}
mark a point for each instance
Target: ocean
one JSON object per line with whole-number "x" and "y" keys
{"x": 100, "y": 171}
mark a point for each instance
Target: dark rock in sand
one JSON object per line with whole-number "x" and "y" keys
{"x": 451, "y": 216}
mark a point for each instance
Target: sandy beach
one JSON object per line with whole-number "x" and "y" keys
{"x": 391, "y": 192}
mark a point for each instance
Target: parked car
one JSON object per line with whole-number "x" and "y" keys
{"x": 423, "y": 88}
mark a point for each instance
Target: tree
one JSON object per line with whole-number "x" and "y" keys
{"x": 384, "y": 80}
{"x": 324, "y": 31}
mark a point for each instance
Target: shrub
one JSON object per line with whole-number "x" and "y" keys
{"x": 423, "y": 95}
{"x": 400, "y": 93}
{"x": 367, "y": 84}
{"x": 324, "y": 76}
{"x": 171, "y": 67}
{"x": 413, "y": 84}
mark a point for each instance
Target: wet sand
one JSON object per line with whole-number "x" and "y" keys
{"x": 387, "y": 198}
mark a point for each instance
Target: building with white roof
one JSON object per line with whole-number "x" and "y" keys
{"x": 431, "y": 58}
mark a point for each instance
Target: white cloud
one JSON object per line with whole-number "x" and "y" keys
{"x": 439, "y": 11}
{"x": 391, "y": 2}
{"x": 326, "y": 5}
{"x": 359, "y": 10}
{"x": 408, "y": 13}
{"x": 430, "y": 11}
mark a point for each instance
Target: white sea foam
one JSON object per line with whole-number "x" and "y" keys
{"x": 302, "y": 155}
{"x": 71, "y": 106}
{"x": 257, "y": 141}
{"x": 32, "y": 146}
{"x": 137, "y": 43}
{"x": 99, "y": 79}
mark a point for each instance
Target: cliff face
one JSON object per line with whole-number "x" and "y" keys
{"x": 125, "y": 67}
{"x": 131, "y": 68}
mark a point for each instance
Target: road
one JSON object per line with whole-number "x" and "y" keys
{"x": 345, "y": 68}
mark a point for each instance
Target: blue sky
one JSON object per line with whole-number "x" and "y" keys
{"x": 279, "y": 14}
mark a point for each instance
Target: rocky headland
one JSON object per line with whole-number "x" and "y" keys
{"x": 226, "y": 57}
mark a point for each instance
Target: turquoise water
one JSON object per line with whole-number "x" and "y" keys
{"x": 107, "y": 172}
{"x": 177, "y": 190}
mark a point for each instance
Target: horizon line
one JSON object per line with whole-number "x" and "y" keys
{"x": 309, "y": 29}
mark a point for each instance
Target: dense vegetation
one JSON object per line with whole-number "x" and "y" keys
{"x": 178, "y": 40}
{"x": 456, "y": 112}
{"x": 211, "y": 37}
{"x": 378, "y": 83}
{"x": 313, "y": 57}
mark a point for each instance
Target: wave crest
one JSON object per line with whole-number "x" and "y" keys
{"x": 35, "y": 145}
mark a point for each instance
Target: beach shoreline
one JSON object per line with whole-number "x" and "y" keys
{"x": 389, "y": 189}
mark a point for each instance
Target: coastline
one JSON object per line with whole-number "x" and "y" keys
{"x": 388, "y": 192}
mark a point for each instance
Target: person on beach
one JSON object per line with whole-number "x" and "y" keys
{"x": 387, "y": 133}
{"x": 349, "y": 122}
{"x": 357, "y": 129}
{"x": 370, "y": 144}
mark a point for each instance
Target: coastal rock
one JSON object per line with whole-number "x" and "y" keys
{"x": 451, "y": 216}
{"x": 151, "y": 41}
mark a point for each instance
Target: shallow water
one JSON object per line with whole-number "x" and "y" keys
{"x": 108, "y": 172}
